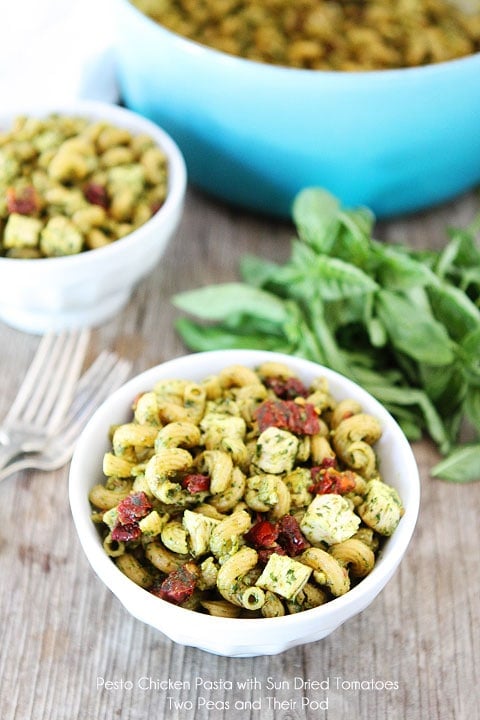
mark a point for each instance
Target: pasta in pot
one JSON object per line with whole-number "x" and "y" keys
{"x": 325, "y": 34}
{"x": 280, "y": 521}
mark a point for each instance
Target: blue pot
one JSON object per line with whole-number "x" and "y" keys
{"x": 254, "y": 134}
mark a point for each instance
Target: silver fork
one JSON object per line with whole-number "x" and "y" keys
{"x": 45, "y": 394}
{"x": 106, "y": 374}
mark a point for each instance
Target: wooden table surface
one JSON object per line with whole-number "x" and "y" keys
{"x": 70, "y": 651}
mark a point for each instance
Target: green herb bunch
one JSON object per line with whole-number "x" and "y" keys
{"x": 402, "y": 323}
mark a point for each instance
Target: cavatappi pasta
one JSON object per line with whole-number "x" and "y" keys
{"x": 326, "y": 34}
{"x": 248, "y": 494}
{"x": 70, "y": 184}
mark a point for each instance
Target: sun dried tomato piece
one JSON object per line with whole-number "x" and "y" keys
{"x": 133, "y": 507}
{"x": 264, "y": 554}
{"x": 126, "y": 532}
{"x": 330, "y": 480}
{"x": 306, "y": 421}
{"x": 272, "y": 413}
{"x": 286, "y": 388}
{"x": 23, "y": 201}
{"x": 178, "y": 585}
{"x": 262, "y": 535}
{"x": 288, "y": 415}
{"x": 155, "y": 206}
{"x": 195, "y": 482}
{"x": 290, "y": 536}
{"x": 327, "y": 462}
{"x": 321, "y": 487}
{"x": 96, "y": 194}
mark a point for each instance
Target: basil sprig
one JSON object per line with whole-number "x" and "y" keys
{"x": 403, "y": 323}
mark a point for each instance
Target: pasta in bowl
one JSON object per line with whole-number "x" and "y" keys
{"x": 243, "y": 502}
{"x": 73, "y": 172}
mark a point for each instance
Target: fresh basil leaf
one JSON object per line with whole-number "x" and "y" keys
{"x": 386, "y": 378}
{"x": 353, "y": 241}
{"x": 462, "y": 465}
{"x": 413, "y": 396}
{"x": 398, "y": 270}
{"x": 401, "y": 322}
{"x": 412, "y": 330}
{"x": 308, "y": 346}
{"x": 302, "y": 256}
{"x": 445, "y": 386}
{"x": 359, "y": 222}
{"x": 373, "y": 325}
{"x": 376, "y": 332}
{"x": 470, "y": 280}
{"x": 411, "y": 430}
{"x": 462, "y": 247}
{"x": 472, "y": 407}
{"x": 288, "y": 281}
{"x": 257, "y": 272}
{"x": 249, "y": 324}
{"x": 315, "y": 214}
{"x": 334, "y": 279}
{"x": 470, "y": 349}
{"x": 217, "y": 302}
{"x": 445, "y": 261}
{"x": 454, "y": 309}
{"x": 425, "y": 256}
{"x": 347, "y": 311}
{"x": 200, "y": 338}
{"x": 330, "y": 278}
{"x": 295, "y": 324}
{"x": 335, "y": 358}
{"x": 418, "y": 297}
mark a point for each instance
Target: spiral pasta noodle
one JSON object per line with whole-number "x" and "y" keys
{"x": 238, "y": 497}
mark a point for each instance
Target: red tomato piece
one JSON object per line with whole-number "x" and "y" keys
{"x": 96, "y": 194}
{"x": 286, "y": 388}
{"x": 133, "y": 507}
{"x": 23, "y": 201}
{"x": 330, "y": 480}
{"x": 127, "y": 532}
{"x": 262, "y": 535}
{"x": 178, "y": 585}
{"x": 264, "y": 554}
{"x": 288, "y": 415}
{"x": 195, "y": 482}
{"x": 290, "y": 536}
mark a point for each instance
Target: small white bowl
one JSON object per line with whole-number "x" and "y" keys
{"x": 227, "y": 636}
{"x": 91, "y": 287}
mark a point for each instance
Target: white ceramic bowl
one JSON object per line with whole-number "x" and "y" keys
{"x": 89, "y": 288}
{"x": 227, "y": 636}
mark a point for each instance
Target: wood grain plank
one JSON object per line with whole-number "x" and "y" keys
{"x": 415, "y": 651}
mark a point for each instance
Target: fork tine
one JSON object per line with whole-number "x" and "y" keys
{"x": 104, "y": 376}
{"x": 60, "y": 394}
{"x": 83, "y": 407}
{"x": 49, "y": 382}
{"x": 31, "y": 378}
{"x": 96, "y": 381}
